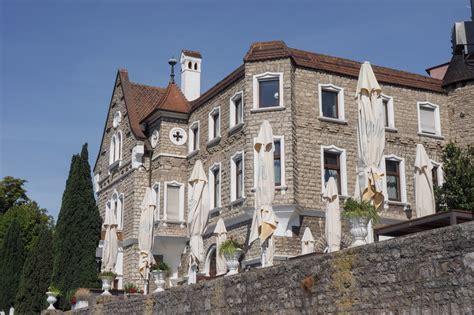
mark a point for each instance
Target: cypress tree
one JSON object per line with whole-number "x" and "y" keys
{"x": 77, "y": 231}
{"x": 11, "y": 264}
{"x": 36, "y": 275}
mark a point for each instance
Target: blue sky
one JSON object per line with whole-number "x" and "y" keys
{"x": 59, "y": 59}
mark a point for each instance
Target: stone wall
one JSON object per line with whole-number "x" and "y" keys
{"x": 462, "y": 113}
{"x": 425, "y": 273}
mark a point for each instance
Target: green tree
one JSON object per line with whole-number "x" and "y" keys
{"x": 36, "y": 275}
{"x": 77, "y": 232}
{"x": 12, "y": 193}
{"x": 30, "y": 216}
{"x": 11, "y": 262}
{"x": 457, "y": 191}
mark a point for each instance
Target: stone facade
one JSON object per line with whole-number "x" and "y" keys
{"x": 298, "y": 201}
{"x": 426, "y": 273}
{"x": 461, "y": 113}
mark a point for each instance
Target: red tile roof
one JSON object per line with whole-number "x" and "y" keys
{"x": 145, "y": 98}
{"x": 174, "y": 101}
{"x": 278, "y": 49}
{"x": 192, "y": 53}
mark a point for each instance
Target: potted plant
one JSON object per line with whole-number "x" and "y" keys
{"x": 107, "y": 277}
{"x": 359, "y": 213}
{"x": 52, "y": 294}
{"x": 82, "y": 297}
{"x": 160, "y": 272}
{"x": 231, "y": 251}
{"x": 130, "y": 289}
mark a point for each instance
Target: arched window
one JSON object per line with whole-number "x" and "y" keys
{"x": 190, "y": 65}
{"x": 117, "y": 208}
{"x": 113, "y": 145}
{"x": 195, "y": 66}
{"x": 118, "y": 148}
{"x": 115, "y": 153}
{"x": 210, "y": 263}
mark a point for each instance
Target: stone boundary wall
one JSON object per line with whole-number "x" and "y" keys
{"x": 427, "y": 273}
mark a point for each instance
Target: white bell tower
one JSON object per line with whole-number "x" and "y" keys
{"x": 191, "y": 74}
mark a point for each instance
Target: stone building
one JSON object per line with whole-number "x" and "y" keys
{"x": 153, "y": 136}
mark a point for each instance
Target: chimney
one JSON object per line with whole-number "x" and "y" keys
{"x": 191, "y": 74}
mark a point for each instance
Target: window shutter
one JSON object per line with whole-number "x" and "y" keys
{"x": 173, "y": 203}
{"x": 427, "y": 119}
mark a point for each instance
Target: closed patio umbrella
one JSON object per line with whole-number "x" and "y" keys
{"x": 307, "y": 242}
{"x": 424, "y": 195}
{"x": 145, "y": 235}
{"x": 110, "y": 250}
{"x": 221, "y": 234}
{"x": 197, "y": 217}
{"x": 333, "y": 216}
{"x": 264, "y": 221}
{"x": 370, "y": 140}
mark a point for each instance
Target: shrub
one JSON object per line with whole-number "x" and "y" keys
{"x": 229, "y": 247}
{"x": 359, "y": 209}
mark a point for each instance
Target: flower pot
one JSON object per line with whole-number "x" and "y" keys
{"x": 232, "y": 261}
{"x": 106, "y": 285}
{"x": 160, "y": 280}
{"x": 81, "y": 304}
{"x": 52, "y": 298}
{"x": 358, "y": 231}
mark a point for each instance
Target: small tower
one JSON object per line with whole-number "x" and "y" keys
{"x": 191, "y": 74}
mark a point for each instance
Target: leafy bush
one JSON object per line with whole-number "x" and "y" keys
{"x": 229, "y": 247}
{"x": 359, "y": 209}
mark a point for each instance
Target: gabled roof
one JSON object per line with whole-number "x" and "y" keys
{"x": 278, "y": 49}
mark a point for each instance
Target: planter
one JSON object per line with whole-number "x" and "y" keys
{"x": 81, "y": 304}
{"x": 106, "y": 284}
{"x": 160, "y": 280}
{"x": 358, "y": 231}
{"x": 232, "y": 261}
{"x": 52, "y": 298}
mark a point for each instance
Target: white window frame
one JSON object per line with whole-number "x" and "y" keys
{"x": 262, "y": 77}
{"x": 116, "y": 142}
{"x": 120, "y": 205}
{"x": 342, "y": 162}
{"x": 211, "y": 185}
{"x": 390, "y": 111}
{"x": 403, "y": 185}
{"x": 439, "y": 172}
{"x": 181, "y": 201}
{"x": 232, "y": 121}
{"x": 192, "y": 127}
{"x": 340, "y": 101}
{"x": 216, "y": 110}
{"x": 283, "y": 162}
{"x": 233, "y": 175}
{"x": 117, "y": 119}
{"x": 156, "y": 194}
{"x": 437, "y": 118}
{"x": 207, "y": 265}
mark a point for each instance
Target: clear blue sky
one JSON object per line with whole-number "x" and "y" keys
{"x": 59, "y": 59}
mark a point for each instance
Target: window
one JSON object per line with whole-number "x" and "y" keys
{"x": 428, "y": 119}
{"x": 237, "y": 176}
{"x": 215, "y": 185}
{"x": 333, "y": 164}
{"x": 388, "y": 115}
{"x": 394, "y": 179}
{"x": 214, "y": 124}
{"x": 116, "y": 204}
{"x": 236, "y": 109}
{"x": 117, "y": 119}
{"x": 268, "y": 90}
{"x": 331, "y": 101}
{"x": 156, "y": 195}
{"x": 174, "y": 202}
{"x": 194, "y": 137}
{"x": 115, "y": 150}
{"x": 437, "y": 174}
{"x": 277, "y": 161}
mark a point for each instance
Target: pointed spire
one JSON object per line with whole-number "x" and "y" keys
{"x": 172, "y": 62}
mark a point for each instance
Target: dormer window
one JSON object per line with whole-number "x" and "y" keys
{"x": 268, "y": 90}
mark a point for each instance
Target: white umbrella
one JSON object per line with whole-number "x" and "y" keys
{"x": 333, "y": 216}
{"x": 145, "y": 235}
{"x": 197, "y": 217}
{"x": 370, "y": 140}
{"x": 264, "y": 221}
{"x": 307, "y": 242}
{"x": 110, "y": 250}
{"x": 221, "y": 233}
{"x": 424, "y": 196}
